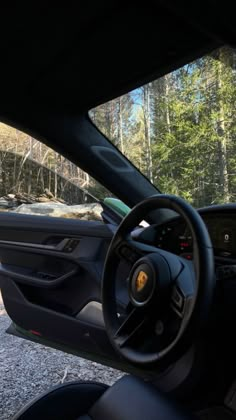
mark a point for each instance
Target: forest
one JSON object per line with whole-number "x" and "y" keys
{"x": 180, "y": 130}
{"x": 29, "y": 167}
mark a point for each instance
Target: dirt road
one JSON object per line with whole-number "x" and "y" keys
{"x": 27, "y": 369}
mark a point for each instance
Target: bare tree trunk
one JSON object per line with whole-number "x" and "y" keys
{"x": 166, "y": 85}
{"x": 147, "y": 131}
{"x": 30, "y": 166}
{"x": 55, "y": 175}
{"x": 224, "y": 180}
{"x": 113, "y": 113}
{"x": 15, "y": 159}
{"x": 87, "y": 179}
{"x": 61, "y": 173}
{"x": 120, "y": 126}
{"x": 49, "y": 175}
{"x": 3, "y": 177}
{"x": 40, "y": 152}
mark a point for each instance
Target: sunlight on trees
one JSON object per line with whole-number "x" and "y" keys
{"x": 28, "y": 166}
{"x": 180, "y": 130}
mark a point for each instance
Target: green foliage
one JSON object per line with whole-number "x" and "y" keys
{"x": 192, "y": 129}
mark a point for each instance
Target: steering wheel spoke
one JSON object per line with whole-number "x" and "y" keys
{"x": 183, "y": 290}
{"x": 141, "y": 248}
{"x": 185, "y": 282}
{"x": 131, "y": 327}
{"x": 177, "y": 301}
{"x": 132, "y": 250}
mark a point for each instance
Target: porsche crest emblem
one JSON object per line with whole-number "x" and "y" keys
{"x": 141, "y": 281}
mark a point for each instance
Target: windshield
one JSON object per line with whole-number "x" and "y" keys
{"x": 180, "y": 130}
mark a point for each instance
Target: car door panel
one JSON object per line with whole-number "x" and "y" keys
{"x": 50, "y": 277}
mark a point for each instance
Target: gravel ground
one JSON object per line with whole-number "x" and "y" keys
{"x": 27, "y": 369}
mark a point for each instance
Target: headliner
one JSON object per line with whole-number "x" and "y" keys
{"x": 69, "y": 60}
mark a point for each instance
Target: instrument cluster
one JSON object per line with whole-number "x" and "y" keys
{"x": 176, "y": 237}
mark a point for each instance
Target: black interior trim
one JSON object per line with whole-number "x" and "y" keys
{"x": 25, "y": 276}
{"x": 143, "y": 402}
{"x": 66, "y": 401}
{"x": 59, "y": 247}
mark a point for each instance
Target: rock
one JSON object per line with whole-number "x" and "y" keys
{"x": 4, "y": 203}
{"x": 90, "y": 211}
{"x": 40, "y": 209}
{"x": 15, "y": 200}
{"x": 60, "y": 200}
{"x": 48, "y": 193}
{"x": 24, "y": 198}
{"x": 42, "y": 199}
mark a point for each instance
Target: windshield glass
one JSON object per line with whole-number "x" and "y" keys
{"x": 180, "y": 130}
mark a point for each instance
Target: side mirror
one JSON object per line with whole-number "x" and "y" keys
{"x": 117, "y": 205}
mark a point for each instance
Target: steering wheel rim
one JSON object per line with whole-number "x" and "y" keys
{"x": 166, "y": 273}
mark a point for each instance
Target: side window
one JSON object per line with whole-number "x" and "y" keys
{"x": 36, "y": 180}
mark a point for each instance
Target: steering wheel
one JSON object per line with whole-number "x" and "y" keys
{"x": 169, "y": 296}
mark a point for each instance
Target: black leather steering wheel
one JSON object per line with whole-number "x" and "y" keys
{"x": 169, "y": 296}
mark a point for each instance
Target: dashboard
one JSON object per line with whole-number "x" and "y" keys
{"x": 175, "y": 236}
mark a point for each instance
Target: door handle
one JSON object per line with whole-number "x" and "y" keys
{"x": 38, "y": 279}
{"x": 65, "y": 245}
